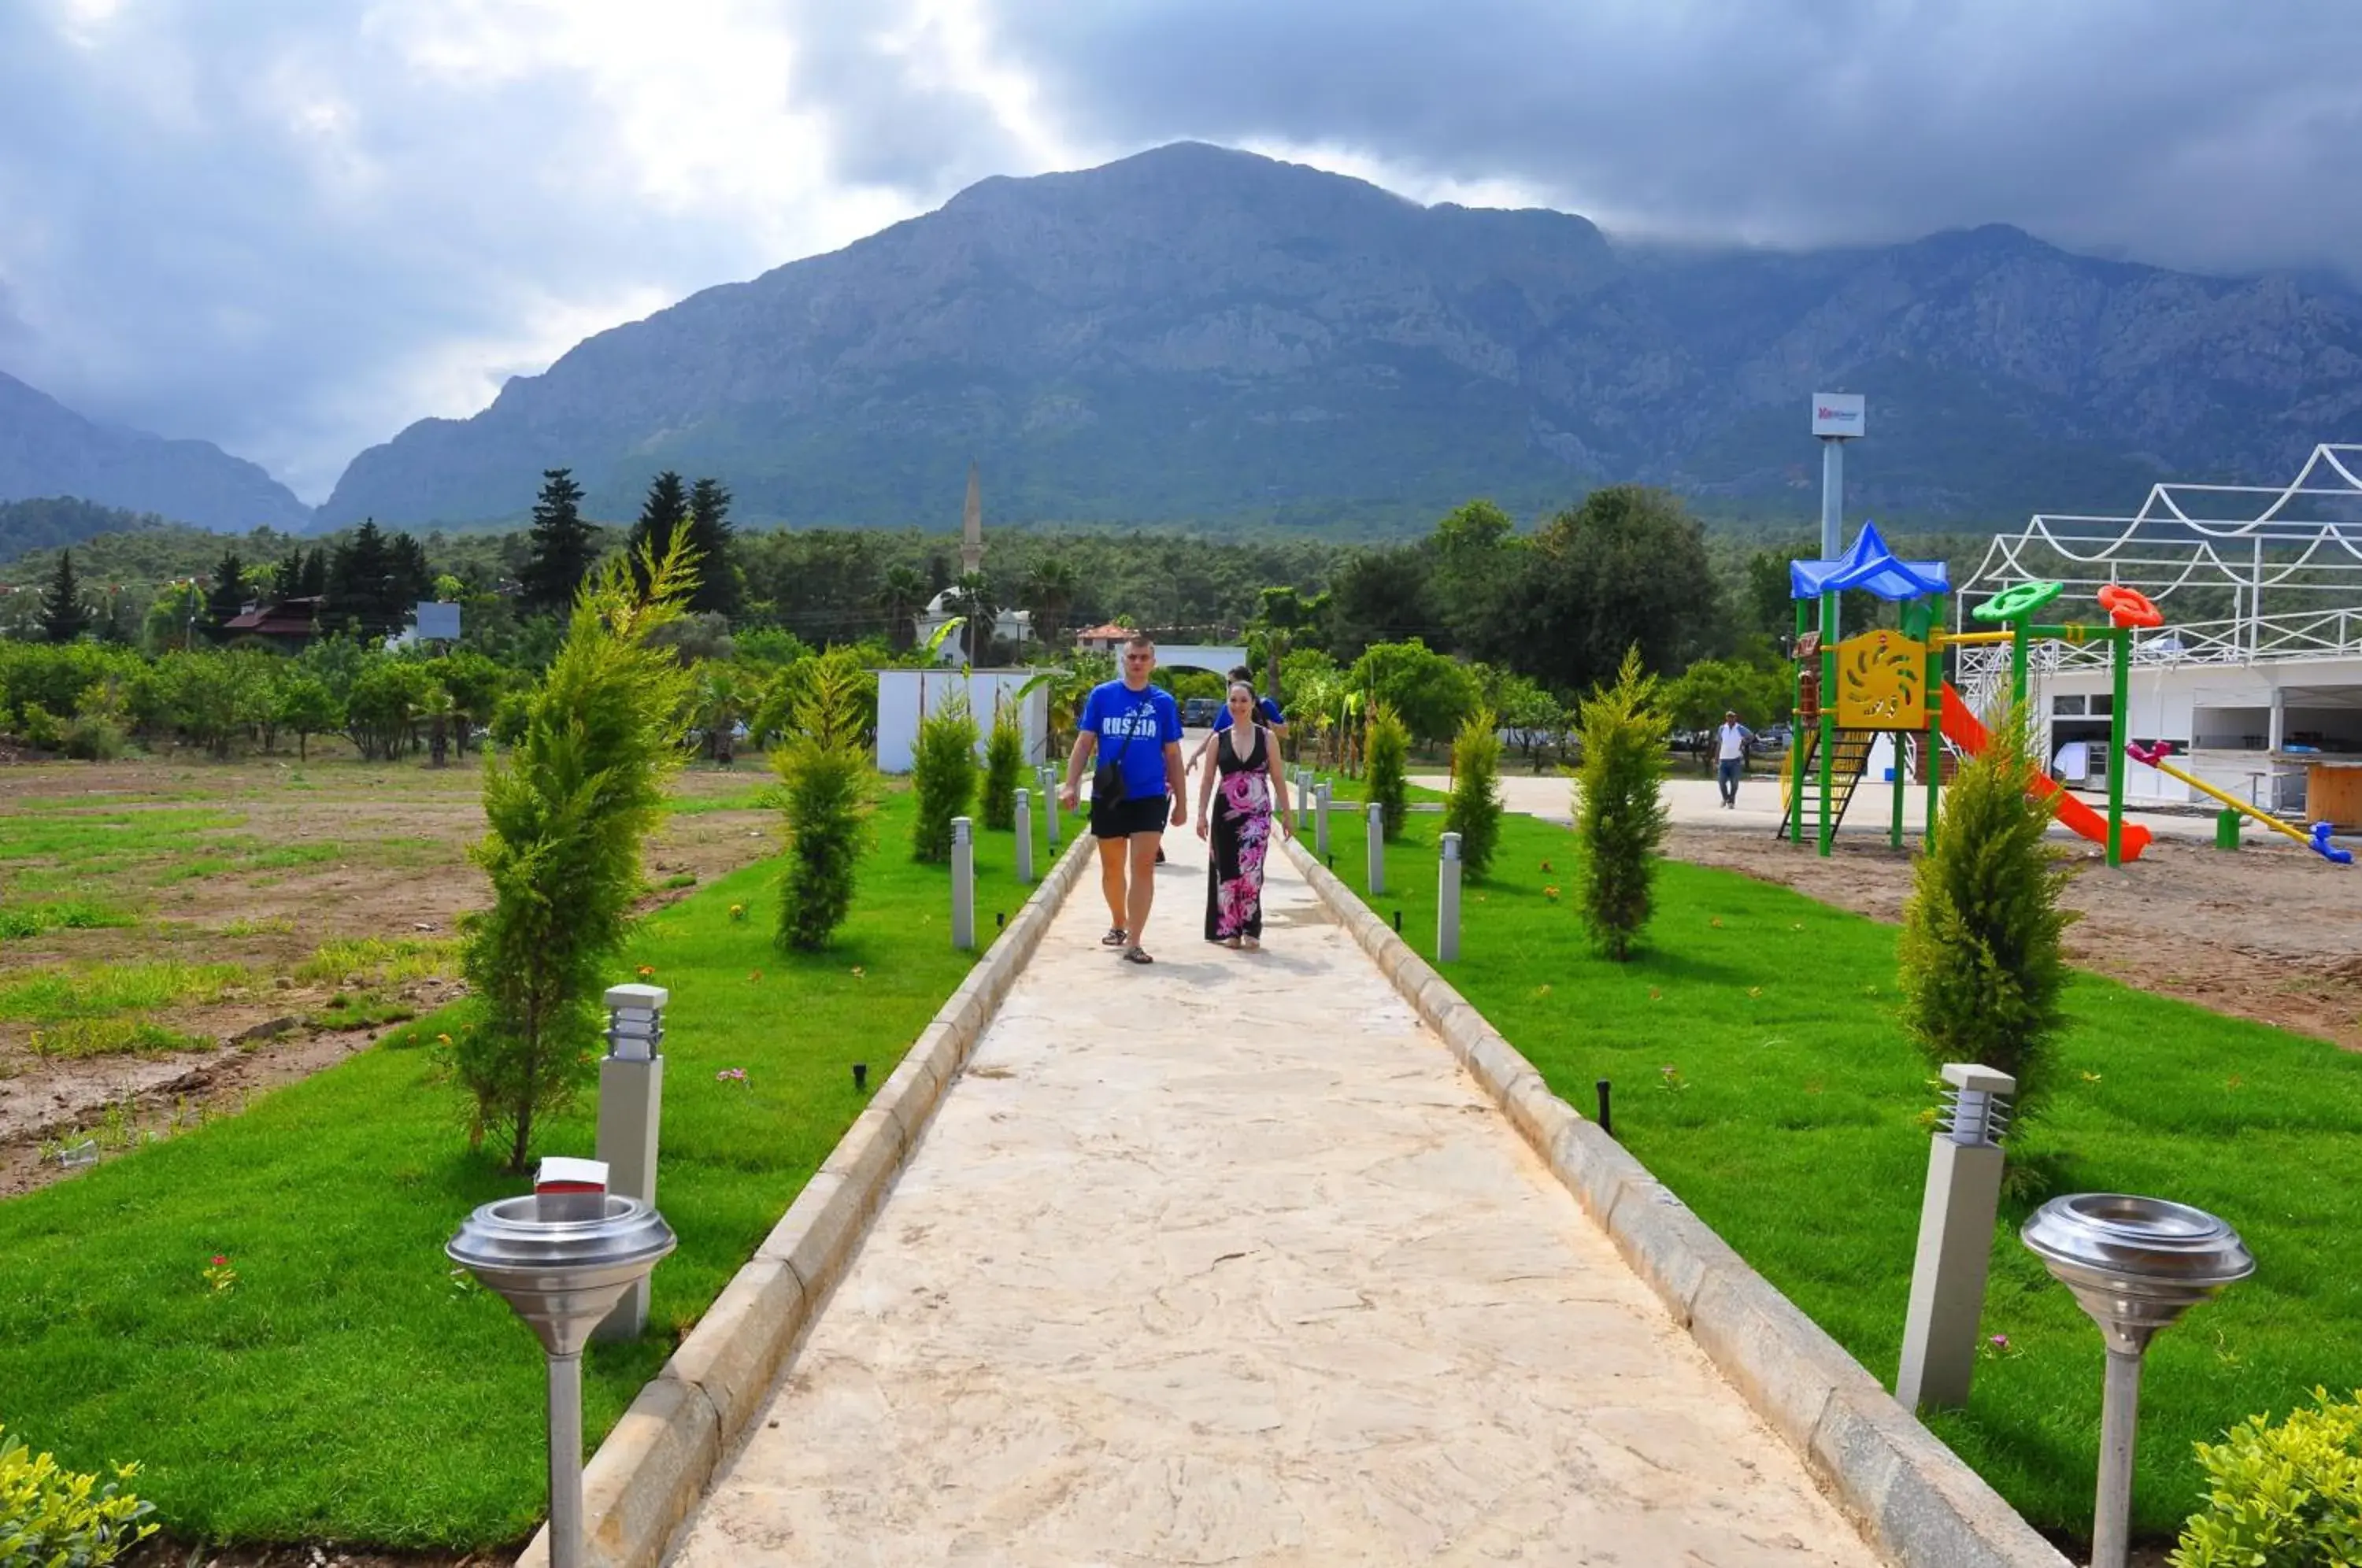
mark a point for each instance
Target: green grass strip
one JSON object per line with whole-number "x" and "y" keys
{"x": 65, "y": 915}
{"x": 1760, "y": 1071}
{"x": 347, "y": 1388}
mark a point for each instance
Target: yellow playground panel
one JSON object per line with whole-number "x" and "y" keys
{"x": 1882, "y": 682}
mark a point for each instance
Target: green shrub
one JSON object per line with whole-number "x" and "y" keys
{"x": 1385, "y": 756}
{"x": 943, "y": 775}
{"x": 41, "y": 729}
{"x": 308, "y": 707}
{"x": 1004, "y": 764}
{"x": 1619, "y": 808}
{"x": 381, "y": 712}
{"x": 825, "y": 767}
{"x": 51, "y": 1518}
{"x": 1983, "y": 973}
{"x": 568, "y": 813}
{"x": 2281, "y": 1497}
{"x": 1474, "y": 811}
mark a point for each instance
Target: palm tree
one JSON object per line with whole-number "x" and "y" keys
{"x": 900, "y": 596}
{"x": 972, "y": 599}
{"x": 1049, "y": 593}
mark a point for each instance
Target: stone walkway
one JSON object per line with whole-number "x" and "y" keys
{"x": 1225, "y": 1261}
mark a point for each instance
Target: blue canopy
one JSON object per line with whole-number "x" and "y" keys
{"x": 1870, "y": 565}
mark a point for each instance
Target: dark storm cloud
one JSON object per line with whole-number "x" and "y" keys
{"x": 2206, "y": 133}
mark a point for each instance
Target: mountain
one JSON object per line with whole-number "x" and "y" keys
{"x": 1200, "y": 333}
{"x": 47, "y": 450}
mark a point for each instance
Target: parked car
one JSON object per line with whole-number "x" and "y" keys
{"x": 1199, "y": 712}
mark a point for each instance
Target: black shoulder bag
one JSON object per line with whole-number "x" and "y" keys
{"x": 1107, "y": 779}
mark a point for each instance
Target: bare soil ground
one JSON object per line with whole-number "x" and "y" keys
{"x": 289, "y": 857}
{"x": 2265, "y": 933}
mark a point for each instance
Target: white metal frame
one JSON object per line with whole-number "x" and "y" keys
{"x": 2296, "y": 548}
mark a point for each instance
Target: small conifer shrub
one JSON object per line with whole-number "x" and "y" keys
{"x": 1385, "y": 752}
{"x": 1619, "y": 808}
{"x": 823, "y": 769}
{"x": 944, "y": 777}
{"x": 1474, "y": 811}
{"x": 1004, "y": 764}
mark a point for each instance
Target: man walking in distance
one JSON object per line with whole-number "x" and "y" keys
{"x": 1136, "y": 787}
{"x": 1730, "y": 756}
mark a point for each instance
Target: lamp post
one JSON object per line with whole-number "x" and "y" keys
{"x": 2135, "y": 1264}
{"x": 561, "y": 1257}
{"x": 963, "y": 883}
{"x": 631, "y": 1109}
{"x": 1956, "y": 1223}
{"x": 1025, "y": 835}
{"x": 1447, "y": 901}
{"x": 1374, "y": 815}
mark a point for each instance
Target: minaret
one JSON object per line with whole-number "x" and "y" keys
{"x": 972, "y": 525}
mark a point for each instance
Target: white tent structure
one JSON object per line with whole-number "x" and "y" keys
{"x": 2258, "y": 666}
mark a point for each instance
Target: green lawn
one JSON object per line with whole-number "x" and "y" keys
{"x": 1759, "y": 1070}
{"x": 348, "y": 1388}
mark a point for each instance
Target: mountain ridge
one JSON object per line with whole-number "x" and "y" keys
{"x": 48, "y": 451}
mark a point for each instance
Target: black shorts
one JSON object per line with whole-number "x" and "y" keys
{"x": 1134, "y": 813}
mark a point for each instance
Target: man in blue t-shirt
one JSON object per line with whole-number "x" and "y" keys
{"x": 1135, "y": 730}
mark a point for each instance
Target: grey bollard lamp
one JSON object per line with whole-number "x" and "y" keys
{"x": 1025, "y": 835}
{"x": 631, "y": 1114}
{"x": 561, "y": 1257}
{"x": 1049, "y": 813}
{"x": 1447, "y": 901}
{"x": 1320, "y": 819}
{"x": 2135, "y": 1265}
{"x": 1374, "y": 816}
{"x": 1956, "y": 1227}
{"x": 963, "y": 883}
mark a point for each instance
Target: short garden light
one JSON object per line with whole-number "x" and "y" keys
{"x": 2135, "y": 1265}
{"x": 963, "y": 884}
{"x": 631, "y": 1111}
{"x": 1447, "y": 901}
{"x": 1374, "y": 815}
{"x": 562, "y": 1257}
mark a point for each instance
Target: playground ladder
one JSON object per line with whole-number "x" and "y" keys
{"x": 1849, "y": 762}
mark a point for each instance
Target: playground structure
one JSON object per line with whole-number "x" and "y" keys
{"x": 1892, "y": 682}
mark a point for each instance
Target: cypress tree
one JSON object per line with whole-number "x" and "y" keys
{"x": 1619, "y": 807}
{"x": 314, "y": 581}
{"x": 561, "y": 545}
{"x": 662, "y": 515}
{"x": 710, "y": 532}
{"x": 359, "y": 580}
{"x": 64, "y": 616}
{"x": 287, "y": 576}
{"x": 227, "y": 598}
{"x": 408, "y": 578}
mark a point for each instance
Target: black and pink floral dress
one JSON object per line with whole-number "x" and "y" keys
{"x": 1240, "y": 832}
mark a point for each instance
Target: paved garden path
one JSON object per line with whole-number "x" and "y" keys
{"x": 1225, "y": 1261}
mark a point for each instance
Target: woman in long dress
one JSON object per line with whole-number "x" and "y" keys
{"x": 1237, "y": 799}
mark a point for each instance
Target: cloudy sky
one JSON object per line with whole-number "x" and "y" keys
{"x": 292, "y": 227}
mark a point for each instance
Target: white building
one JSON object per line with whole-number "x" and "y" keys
{"x": 1007, "y": 625}
{"x": 2249, "y": 699}
{"x": 905, "y": 696}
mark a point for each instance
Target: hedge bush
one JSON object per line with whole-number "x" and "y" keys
{"x": 944, "y": 777}
{"x": 1619, "y": 808}
{"x": 1473, "y": 809}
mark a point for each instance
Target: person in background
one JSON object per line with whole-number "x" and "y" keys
{"x": 1730, "y": 756}
{"x": 1267, "y": 711}
{"x": 1134, "y": 730}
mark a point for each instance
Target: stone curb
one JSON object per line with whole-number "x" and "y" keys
{"x": 649, "y": 1475}
{"x": 1914, "y": 1499}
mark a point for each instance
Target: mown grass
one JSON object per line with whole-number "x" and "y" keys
{"x": 1759, "y": 1069}
{"x": 350, "y": 1388}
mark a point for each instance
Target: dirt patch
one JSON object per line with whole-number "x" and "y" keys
{"x": 2262, "y": 933}
{"x": 287, "y": 858}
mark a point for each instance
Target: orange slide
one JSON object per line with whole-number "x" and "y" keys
{"x": 1965, "y": 730}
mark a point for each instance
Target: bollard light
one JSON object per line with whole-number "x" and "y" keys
{"x": 861, "y": 1077}
{"x": 562, "y": 1258}
{"x": 1605, "y": 1092}
{"x": 1049, "y": 813}
{"x": 1956, "y": 1224}
{"x": 963, "y": 883}
{"x": 1320, "y": 819}
{"x": 1374, "y": 816}
{"x": 1447, "y": 901}
{"x": 1303, "y": 793}
{"x": 1025, "y": 835}
{"x": 631, "y": 1112}
{"x": 2135, "y": 1264}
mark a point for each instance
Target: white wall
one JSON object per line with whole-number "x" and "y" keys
{"x": 2193, "y": 703}
{"x": 905, "y": 696}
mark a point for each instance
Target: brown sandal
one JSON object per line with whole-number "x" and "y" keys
{"x": 1137, "y": 955}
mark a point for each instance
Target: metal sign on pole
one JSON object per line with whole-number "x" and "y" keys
{"x": 1838, "y": 418}
{"x": 1375, "y": 815}
{"x": 963, "y": 883}
{"x": 1447, "y": 901}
